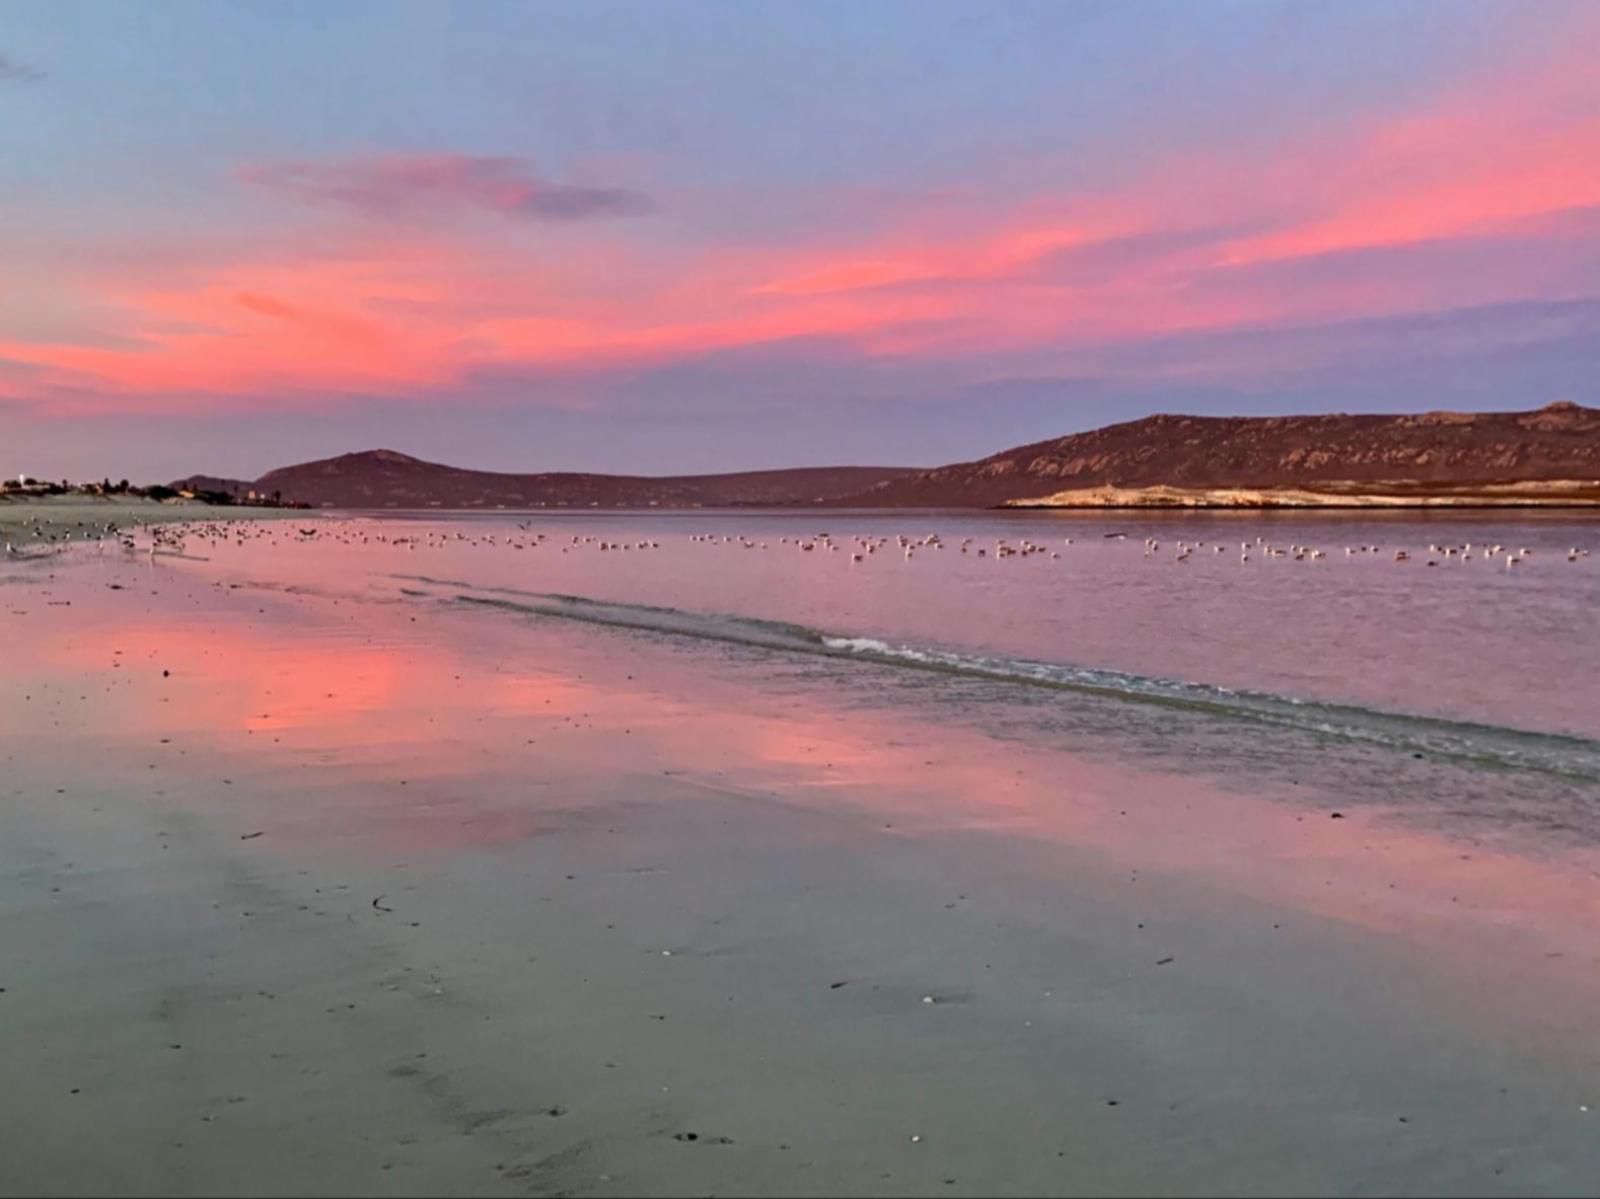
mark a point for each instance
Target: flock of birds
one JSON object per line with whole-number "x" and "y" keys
{"x": 154, "y": 538}
{"x": 42, "y": 531}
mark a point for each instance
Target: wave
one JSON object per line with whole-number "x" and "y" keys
{"x": 1480, "y": 745}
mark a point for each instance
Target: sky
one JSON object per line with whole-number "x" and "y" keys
{"x": 679, "y": 236}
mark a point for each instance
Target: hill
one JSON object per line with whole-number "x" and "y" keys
{"x": 1548, "y": 455}
{"x": 387, "y": 479}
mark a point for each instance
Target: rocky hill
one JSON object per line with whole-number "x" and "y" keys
{"x": 1551, "y": 455}
{"x": 1454, "y": 454}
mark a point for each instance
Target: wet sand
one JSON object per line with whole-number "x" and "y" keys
{"x": 304, "y": 895}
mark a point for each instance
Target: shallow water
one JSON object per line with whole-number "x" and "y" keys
{"x": 1465, "y": 692}
{"x": 283, "y": 810}
{"x": 1463, "y": 640}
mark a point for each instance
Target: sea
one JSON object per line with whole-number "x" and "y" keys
{"x": 1444, "y": 667}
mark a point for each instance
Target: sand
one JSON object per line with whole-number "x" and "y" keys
{"x": 36, "y": 520}
{"x": 304, "y": 896}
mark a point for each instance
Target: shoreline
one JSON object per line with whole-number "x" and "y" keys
{"x": 317, "y": 892}
{"x": 1573, "y": 495}
{"x": 87, "y": 518}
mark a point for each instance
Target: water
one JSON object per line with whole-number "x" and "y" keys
{"x": 1463, "y": 690}
{"x": 1466, "y": 640}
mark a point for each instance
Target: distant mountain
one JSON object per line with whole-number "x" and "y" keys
{"x": 1552, "y": 453}
{"x": 386, "y": 479}
{"x": 237, "y": 487}
{"x": 1549, "y": 455}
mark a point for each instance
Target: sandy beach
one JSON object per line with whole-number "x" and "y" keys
{"x": 310, "y": 891}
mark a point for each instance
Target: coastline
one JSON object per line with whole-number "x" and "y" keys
{"x": 1563, "y": 494}
{"x": 306, "y": 891}
{"x": 29, "y": 520}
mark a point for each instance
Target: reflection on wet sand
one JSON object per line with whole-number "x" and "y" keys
{"x": 487, "y": 869}
{"x": 461, "y": 730}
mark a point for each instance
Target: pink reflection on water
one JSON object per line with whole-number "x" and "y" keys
{"x": 408, "y": 728}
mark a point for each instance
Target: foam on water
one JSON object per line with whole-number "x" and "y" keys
{"x": 1494, "y": 747}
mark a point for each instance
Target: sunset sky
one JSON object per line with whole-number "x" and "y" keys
{"x": 671, "y": 237}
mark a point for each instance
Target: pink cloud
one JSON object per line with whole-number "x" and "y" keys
{"x": 1403, "y": 215}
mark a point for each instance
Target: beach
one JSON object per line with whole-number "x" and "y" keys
{"x": 315, "y": 878}
{"x": 43, "y": 521}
